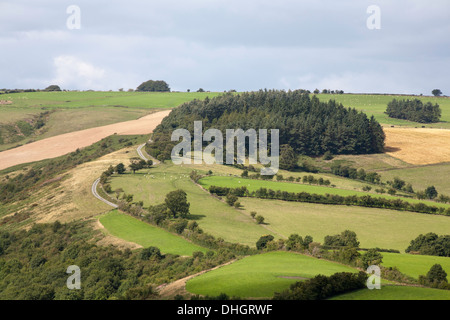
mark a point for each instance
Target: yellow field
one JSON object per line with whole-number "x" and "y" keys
{"x": 418, "y": 145}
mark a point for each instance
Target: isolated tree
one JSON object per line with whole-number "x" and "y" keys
{"x": 200, "y": 90}
{"x": 53, "y": 87}
{"x": 154, "y": 86}
{"x": 436, "y": 92}
{"x": 176, "y": 202}
{"x": 259, "y": 219}
{"x": 231, "y": 199}
{"x": 431, "y": 192}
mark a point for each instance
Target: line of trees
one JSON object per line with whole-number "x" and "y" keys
{"x": 363, "y": 201}
{"x": 414, "y": 110}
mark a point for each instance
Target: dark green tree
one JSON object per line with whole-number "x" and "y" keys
{"x": 176, "y": 202}
{"x": 120, "y": 168}
{"x": 262, "y": 242}
{"x": 154, "y": 86}
{"x": 437, "y": 274}
{"x": 436, "y": 92}
{"x": 371, "y": 257}
{"x": 288, "y": 158}
{"x": 431, "y": 192}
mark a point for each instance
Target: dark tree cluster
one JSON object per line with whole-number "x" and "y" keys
{"x": 430, "y": 244}
{"x": 154, "y": 86}
{"x": 322, "y": 287}
{"x": 414, "y": 110}
{"x": 346, "y": 239}
{"x": 307, "y": 125}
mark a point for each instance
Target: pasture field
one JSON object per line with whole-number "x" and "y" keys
{"x": 146, "y": 235}
{"x": 396, "y": 293}
{"x": 376, "y": 105}
{"x": 422, "y": 177}
{"x": 387, "y": 229}
{"x": 253, "y": 185}
{"x": 262, "y": 275}
{"x": 214, "y": 217}
{"x": 414, "y": 265}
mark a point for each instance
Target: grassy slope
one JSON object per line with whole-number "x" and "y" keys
{"x": 260, "y": 275}
{"x": 375, "y": 227}
{"x": 376, "y": 105}
{"x": 134, "y": 230}
{"x": 414, "y": 265}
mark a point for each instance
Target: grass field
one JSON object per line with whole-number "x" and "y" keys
{"x": 376, "y": 105}
{"x": 422, "y": 177}
{"x": 253, "y": 185}
{"x": 396, "y": 293}
{"x": 414, "y": 265}
{"x": 134, "y": 230}
{"x": 381, "y": 228}
{"x": 75, "y": 111}
{"x": 262, "y": 275}
{"x": 214, "y": 217}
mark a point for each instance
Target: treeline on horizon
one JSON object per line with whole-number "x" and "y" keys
{"x": 309, "y": 126}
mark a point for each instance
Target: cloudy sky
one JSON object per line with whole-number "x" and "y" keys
{"x": 222, "y": 45}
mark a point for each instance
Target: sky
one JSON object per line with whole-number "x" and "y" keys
{"x": 401, "y": 46}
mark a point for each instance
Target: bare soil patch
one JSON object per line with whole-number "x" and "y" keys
{"x": 60, "y": 145}
{"x": 418, "y": 145}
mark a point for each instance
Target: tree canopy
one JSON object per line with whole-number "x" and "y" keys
{"x": 414, "y": 110}
{"x": 53, "y": 87}
{"x": 152, "y": 85}
{"x": 307, "y": 125}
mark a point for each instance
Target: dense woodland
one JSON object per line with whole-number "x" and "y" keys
{"x": 414, "y": 110}
{"x": 309, "y": 126}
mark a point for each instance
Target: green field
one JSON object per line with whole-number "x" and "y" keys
{"x": 253, "y": 185}
{"x": 72, "y": 111}
{"x": 396, "y": 293}
{"x": 131, "y": 229}
{"x": 376, "y": 105}
{"x": 387, "y": 229}
{"x": 414, "y": 265}
{"x": 423, "y": 176}
{"x": 214, "y": 217}
{"x": 262, "y": 275}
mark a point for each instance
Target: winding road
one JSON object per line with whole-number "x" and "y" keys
{"x": 95, "y": 193}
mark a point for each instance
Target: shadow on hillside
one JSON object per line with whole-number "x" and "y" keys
{"x": 391, "y": 149}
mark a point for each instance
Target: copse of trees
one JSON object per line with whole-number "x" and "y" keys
{"x": 430, "y": 244}
{"x": 53, "y": 87}
{"x": 414, "y": 110}
{"x": 307, "y": 125}
{"x": 346, "y": 239}
{"x": 154, "y": 86}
